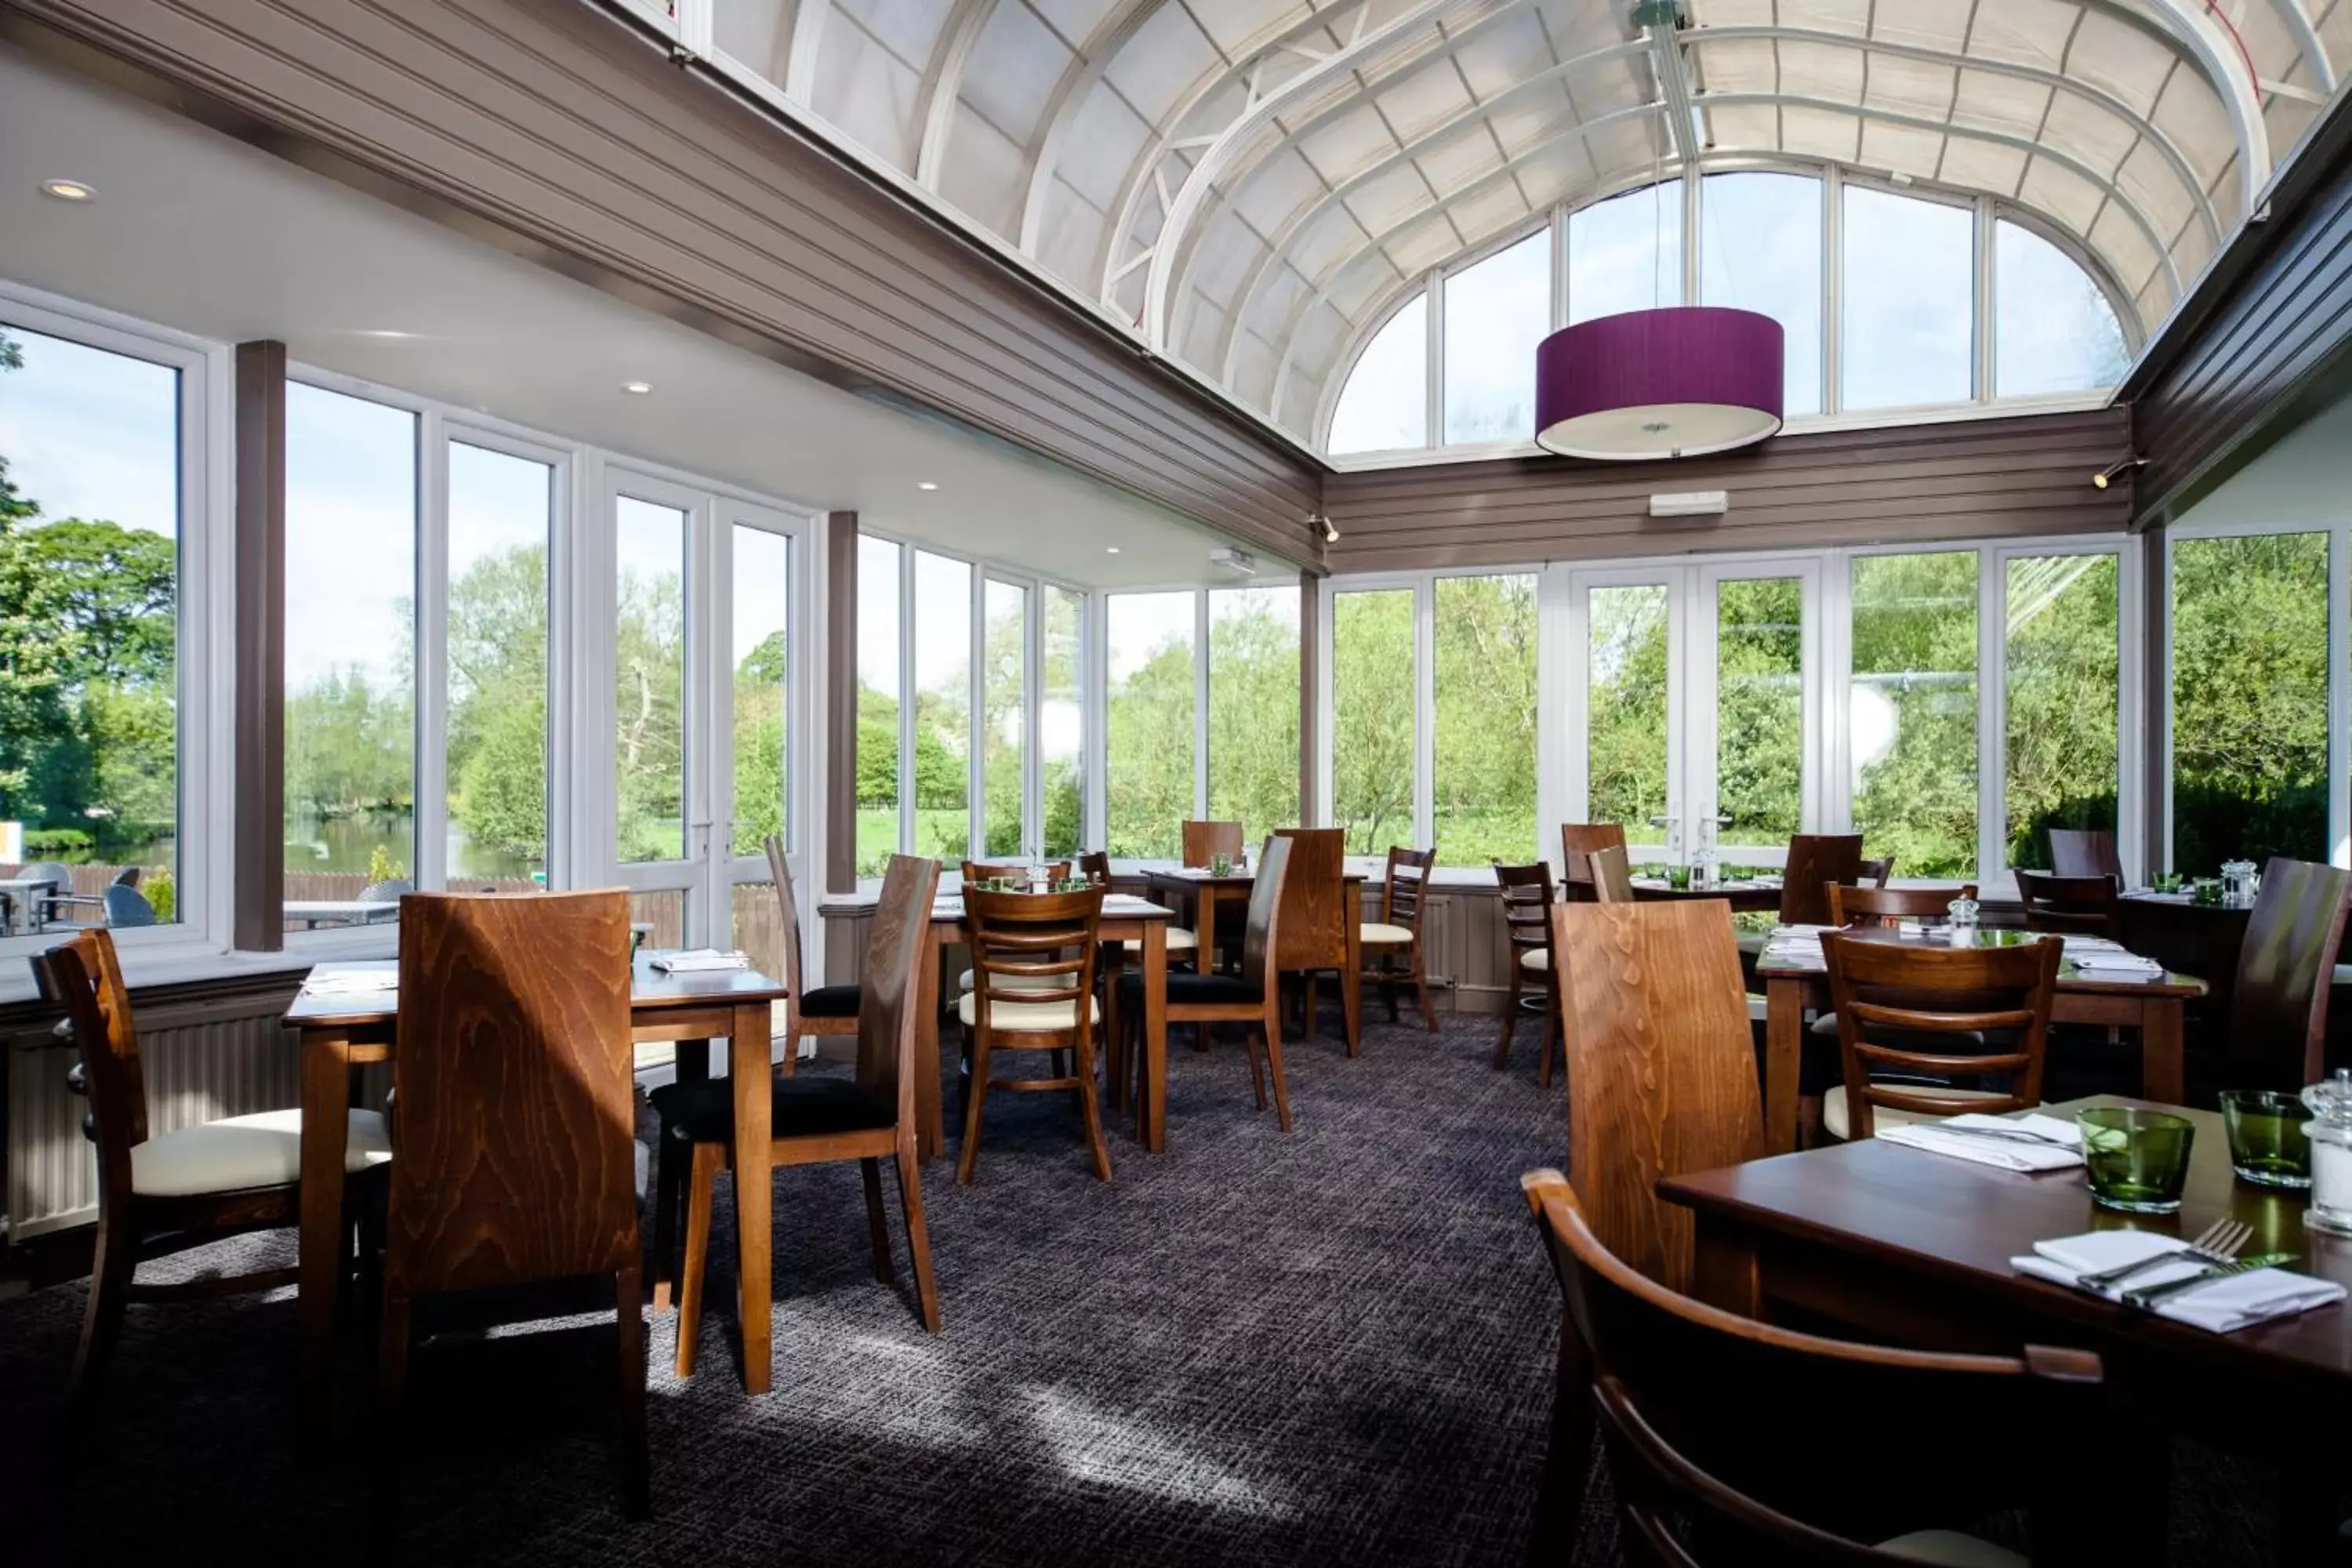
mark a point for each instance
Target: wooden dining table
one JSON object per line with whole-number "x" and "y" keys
{"x": 1225, "y": 897}
{"x": 1908, "y": 1247}
{"x": 2153, "y": 1007}
{"x": 340, "y": 1030}
{"x": 1757, "y": 896}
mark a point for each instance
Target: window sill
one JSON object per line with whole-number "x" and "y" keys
{"x": 194, "y": 961}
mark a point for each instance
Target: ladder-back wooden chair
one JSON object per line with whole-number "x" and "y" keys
{"x": 1815, "y": 860}
{"x": 1577, "y": 841}
{"x": 1527, "y": 936}
{"x": 1398, "y": 933}
{"x": 1034, "y": 962}
{"x": 1912, "y": 1017}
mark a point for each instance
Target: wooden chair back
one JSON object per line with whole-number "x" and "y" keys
{"x": 1315, "y": 913}
{"x": 1661, "y": 1066}
{"x": 1262, "y": 922}
{"x": 1204, "y": 841}
{"x": 895, "y": 941}
{"x": 2085, "y": 852}
{"x": 991, "y": 871}
{"x": 1895, "y": 1000}
{"x": 2278, "y": 1011}
{"x": 83, "y": 976}
{"x": 1577, "y": 840}
{"x": 1612, "y": 877}
{"x": 514, "y": 1148}
{"x": 1035, "y": 947}
{"x": 1527, "y": 909}
{"x": 1869, "y": 906}
{"x": 1095, "y": 867}
{"x": 1815, "y": 860}
{"x": 1875, "y": 873}
{"x": 1405, "y": 886}
{"x": 1664, "y": 1362}
{"x": 2086, "y": 904}
{"x": 779, "y": 871}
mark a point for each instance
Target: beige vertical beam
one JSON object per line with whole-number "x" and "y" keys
{"x": 259, "y": 869}
{"x": 841, "y": 701}
{"x": 1310, "y": 694}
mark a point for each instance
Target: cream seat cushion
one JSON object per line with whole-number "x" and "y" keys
{"x": 1951, "y": 1550}
{"x": 1834, "y": 1113}
{"x": 1536, "y": 958}
{"x": 1377, "y": 931}
{"x": 1026, "y": 1016}
{"x": 1182, "y": 940}
{"x": 1019, "y": 982}
{"x": 263, "y": 1149}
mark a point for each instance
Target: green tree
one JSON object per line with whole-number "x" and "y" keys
{"x": 1373, "y": 717}
{"x": 1253, "y": 709}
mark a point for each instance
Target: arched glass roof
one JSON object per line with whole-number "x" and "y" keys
{"x": 1253, "y": 184}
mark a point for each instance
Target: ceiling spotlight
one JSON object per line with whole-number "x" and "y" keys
{"x": 69, "y": 190}
{"x": 2115, "y": 470}
{"x": 1330, "y": 533}
{"x": 637, "y": 388}
{"x": 925, "y": 485}
{"x": 1110, "y": 550}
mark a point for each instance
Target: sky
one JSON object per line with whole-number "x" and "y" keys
{"x": 93, "y": 435}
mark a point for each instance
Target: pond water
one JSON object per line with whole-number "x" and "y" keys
{"x": 349, "y": 843}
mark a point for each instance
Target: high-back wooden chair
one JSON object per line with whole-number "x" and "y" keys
{"x": 1612, "y": 877}
{"x": 1815, "y": 860}
{"x": 1033, "y": 960}
{"x": 2087, "y": 905}
{"x": 1870, "y": 906}
{"x": 1661, "y": 1067}
{"x": 1929, "y": 1014}
{"x": 1876, "y": 873}
{"x": 2278, "y": 1009}
{"x": 1527, "y": 937}
{"x": 2086, "y": 852}
{"x": 1095, "y": 867}
{"x": 823, "y": 1010}
{"x": 1577, "y": 840}
{"x": 515, "y": 1150}
{"x": 1320, "y": 932}
{"x": 868, "y": 1116}
{"x": 1204, "y": 841}
{"x": 158, "y": 1194}
{"x": 1398, "y": 933}
{"x": 1783, "y": 1474}
{"x": 984, "y": 870}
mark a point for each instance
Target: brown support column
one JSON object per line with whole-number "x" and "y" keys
{"x": 2155, "y": 627}
{"x": 841, "y": 701}
{"x": 1310, "y": 694}
{"x": 258, "y": 872}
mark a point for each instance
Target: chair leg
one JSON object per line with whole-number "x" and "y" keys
{"x": 1511, "y": 1019}
{"x": 1274, "y": 1066}
{"x": 669, "y": 1183}
{"x": 872, "y": 1170}
{"x": 918, "y": 1235}
{"x": 1258, "y": 1072}
{"x": 101, "y": 1320}
{"x": 1090, "y": 1109}
{"x": 636, "y": 1499}
{"x": 791, "y": 1050}
{"x": 391, "y": 1418}
{"x": 699, "y": 1184}
{"x": 976, "y": 1097}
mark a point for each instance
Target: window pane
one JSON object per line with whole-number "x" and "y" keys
{"x": 649, "y": 675}
{"x": 351, "y": 586}
{"x": 1760, "y": 238}
{"x": 942, "y": 707}
{"x": 1626, "y": 253}
{"x": 1385, "y": 403}
{"x": 1485, "y": 742}
{"x": 1254, "y": 709}
{"x": 762, "y": 696}
{"x": 1061, "y": 722}
{"x": 2064, "y": 692}
{"x": 500, "y": 508}
{"x": 1148, "y": 773}
{"x": 1759, "y": 710}
{"x": 1004, "y": 719}
{"x": 2054, "y": 329}
{"x": 1914, "y": 711}
{"x": 1372, "y": 697}
{"x": 2249, "y": 700}
{"x": 89, "y": 528}
{"x": 877, "y": 704}
{"x": 1907, "y": 332}
{"x": 1625, "y": 702}
{"x": 1495, "y": 314}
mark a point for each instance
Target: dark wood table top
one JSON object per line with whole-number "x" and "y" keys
{"x": 1200, "y": 876}
{"x": 2069, "y": 977}
{"x": 1960, "y": 1223}
{"x": 650, "y": 990}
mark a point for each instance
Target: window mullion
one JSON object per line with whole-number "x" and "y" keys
{"x": 1992, "y": 708}
{"x": 429, "y": 854}
{"x": 1424, "y": 710}
{"x": 906, "y": 699}
{"x": 1200, "y": 703}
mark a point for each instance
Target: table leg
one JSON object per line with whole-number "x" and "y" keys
{"x": 326, "y": 1071}
{"x": 2163, "y": 1076}
{"x": 748, "y": 1066}
{"x": 931, "y": 1131}
{"x": 1204, "y": 930}
{"x": 1114, "y": 1031}
{"x": 1784, "y": 1040}
{"x": 1155, "y": 1036}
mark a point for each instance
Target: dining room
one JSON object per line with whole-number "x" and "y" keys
{"x": 1529, "y": 784}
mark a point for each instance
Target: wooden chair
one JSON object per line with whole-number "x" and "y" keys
{"x": 1252, "y": 997}
{"x": 1034, "y": 963}
{"x": 1734, "y": 1443}
{"x": 1875, "y": 873}
{"x": 1874, "y": 906}
{"x": 1319, "y": 932}
{"x": 1661, "y": 1070}
{"x": 1935, "y": 1014}
{"x": 1526, "y": 934}
{"x": 1204, "y": 841}
{"x": 1815, "y": 860}
{"x": 826, "y": 1011}
{"x": 1398, "y": 933}
{"x": 2278, "y": 1009}
{"x": 515, "y": 1150}
{"x": 1095, "y": 867}
{"x": 1612, "y": 877}
{"x": 2085, "y": 852}
{"x": 2053, "y": 902}
{"x": 159, "y": 1194}
{"x": 869, "y": 1118}
{"x": 1577, "y": 840}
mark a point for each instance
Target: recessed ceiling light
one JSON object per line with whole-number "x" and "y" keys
{"x": 925, "y": 485}
{"x": 69, "y": 190}
{"x": 637, "y": 388}
{"x": 390, "y": 334}
{"x": 1110, "y": 550}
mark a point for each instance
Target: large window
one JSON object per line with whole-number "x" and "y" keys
{"x": 1484, "y": 708}
{"x": 943, "y": 666}
{"x": 878, "y": 704}
{"x": 763, "y": 666}
{"x": 1907, "y": 333}
{"x": 1254, "y": 709}
{"x": 1759, "y": 708}
{"x": 1625, "y": 254}
{"x": 1061, "y": 721}
{"x": 1149, "y": 781}
{"x": 1386, "y": 402}
{"x": 1627, "y": 709}
{"x": 1005, "y": 714}
{"x": 650, "y": 683}
{"x": 1761, "y": 250}
{"x": 2055, "y": 330}
{"x": 1373, "y": 682}
{"x": 1912, "y": 710}
{"x": 502, "y": 509}
{"x": 2065, "y": 687}
{"x": 1495, "y": 313}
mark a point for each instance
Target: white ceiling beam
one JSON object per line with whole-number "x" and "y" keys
{"x": 1667, "y": 63}
{"x": 2309, "y": 41}
{"x": 2222, "y": 57}
{"x": 943, "y": 85}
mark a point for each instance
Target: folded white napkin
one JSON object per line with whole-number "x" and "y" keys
{"x": 695, "y": 960}
{"x": 2117, "y": 964}
{"x": 1950, "y": 1137}
{"x": 351, "y": 983}
{"x": 2221, "y": 1307}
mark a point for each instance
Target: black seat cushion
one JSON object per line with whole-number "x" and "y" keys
{"x": 832, "y": 1002}
{"x": 704, "y": 1113}
{"x": 1193, "y": 990}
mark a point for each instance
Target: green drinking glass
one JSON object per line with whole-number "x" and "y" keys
{"x": 1678, "y": 878}
{"x": 1221, "y": 865}
{"x": 2205, "y": 891}
{"x": 2138, "y": 1160}
{"x": 2167, "y": 881}
{"x": 2267, "y": 1145}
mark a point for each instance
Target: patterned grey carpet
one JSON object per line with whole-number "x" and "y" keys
{"x": 1331, "y": 1348}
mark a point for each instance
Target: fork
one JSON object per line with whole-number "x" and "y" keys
{"x": 2008, "y": 1135}
{"x": 2221, "y": 1244}
{"x": 2147, "y": 1296}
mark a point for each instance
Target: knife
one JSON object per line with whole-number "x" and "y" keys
{"x": 2148, "y": 1295}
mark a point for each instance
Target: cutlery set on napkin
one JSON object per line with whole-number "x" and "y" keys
{"x": 2101, "y": 958}
{"x": 2028, "y": 1143}
{"x": 1797, "y": 946}
{"x": 699, "y": 959}
{"x": 2218, "y": 1297}
{"x": 351, "y": 983}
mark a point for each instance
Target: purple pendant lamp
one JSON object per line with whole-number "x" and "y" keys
{"x": 1675, "y": 382}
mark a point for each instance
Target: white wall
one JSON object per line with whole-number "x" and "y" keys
{"x": 2303, "y": 479}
